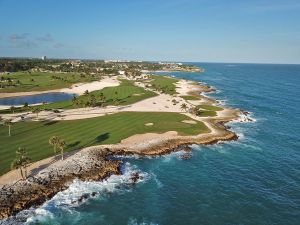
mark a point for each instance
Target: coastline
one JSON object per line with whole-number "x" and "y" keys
{"x": 92, "y": 163}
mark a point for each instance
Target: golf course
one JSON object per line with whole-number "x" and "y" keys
{"x": 110, "y": 129}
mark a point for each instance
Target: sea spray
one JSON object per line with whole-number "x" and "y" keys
{"x": 80, "y": 192}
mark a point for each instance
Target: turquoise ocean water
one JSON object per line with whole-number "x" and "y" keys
{"x": 255, "y": 180}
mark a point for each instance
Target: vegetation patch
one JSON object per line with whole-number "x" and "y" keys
{"x": 124, "y": 94}
{"x": 110, "y": 129}
{"x": 41, "y": 81}
{"x": 211, "y": 107}
{"x": 164, "y": 84}
{"x": 190, "y": 97}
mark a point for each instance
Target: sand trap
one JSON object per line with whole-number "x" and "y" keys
{"x": 75, "y": 89}
{"x": 148, "y": 138}
{"x": 183, "y": 87}
{"x": 189, "y": 121}
{"x": 149, "y": 124}
{"x": 93, "y": 86}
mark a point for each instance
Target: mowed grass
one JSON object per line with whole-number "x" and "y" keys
{"x": 108, "y": 129}
{"x": 44, "y": 81}
{"x": 167, "y": 84}
{"x": 209, "y": 110}
{"x": 190, "y": 97}
{"x": 211, "y": 107}
{"x": 126, "y": 93}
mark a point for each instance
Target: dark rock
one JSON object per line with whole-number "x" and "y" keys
{"x": 185, "y": 156}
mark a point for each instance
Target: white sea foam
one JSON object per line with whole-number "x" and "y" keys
{"x": 246, "y": 118}
{"x": 172, "y": 155}
{"x": 68, "y": 199}
{"x": 41, "y": 215}
{"x": 157, "y": 181}
{"x": 133, "y": 221}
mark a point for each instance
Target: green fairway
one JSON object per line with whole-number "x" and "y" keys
{"x": 124, "y": 94}
{"x": 190, "y": 97}
{"x": 211, "y": 107}
{"x": 113, "y": 128}
{"x": 207, "y": 113}
{"x": 207, "y": 110}
{"x": 41, "y": 81}
{"x": 166, "y": 84}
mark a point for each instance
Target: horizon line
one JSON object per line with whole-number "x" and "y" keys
{"x": 140, "y": 60}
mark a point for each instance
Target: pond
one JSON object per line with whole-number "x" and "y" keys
{"x": 34, "y": 99}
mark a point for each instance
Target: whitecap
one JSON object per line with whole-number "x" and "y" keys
{"x": 134, "y": 221}
{"x": 68, "y": 199}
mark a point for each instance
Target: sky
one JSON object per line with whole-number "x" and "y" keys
{"x": 247, "y": 31}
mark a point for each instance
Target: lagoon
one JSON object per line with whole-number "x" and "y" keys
{"x": 35, "y": 99}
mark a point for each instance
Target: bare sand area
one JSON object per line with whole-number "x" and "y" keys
{"x": 78, "y": 89}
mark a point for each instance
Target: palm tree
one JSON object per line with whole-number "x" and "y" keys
{"x": 184, "y": 107}
{"x": 74, "y": 100}
{"x": 102, "y": 98}
{"x": 21, "y": 162}
{"x": 8, "y": 123}
{"x": 44, "y": 104}
{"x": 61, "y": 145}
{"x": 54, "y": 140}
{"x": 26, "y": 105}
{"x": 116, "y": 100}
{"x": 12, "y": 109}
{"x": 93, "y": 100}
{"x": 37, "y": 111}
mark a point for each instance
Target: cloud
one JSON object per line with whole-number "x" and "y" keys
{"x": 45, "y": 38}
{"x": 58, "y": 45}
{"x": 24, "y": 44}
{"x": 21, "y": 41}
{"x": 17, "y": 37}
{"x": 27, "y": 41}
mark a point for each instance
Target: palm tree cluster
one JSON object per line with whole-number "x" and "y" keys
{"x": 21, "y": 162}
{"x": 92, "y": 100}
{"x": 58, "y": 143}
{"x": 7, "y": 123}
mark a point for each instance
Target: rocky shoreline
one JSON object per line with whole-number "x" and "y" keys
{"x": 91, "y": 164}
{"x": 97, "y": 163}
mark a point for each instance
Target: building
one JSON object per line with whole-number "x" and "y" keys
{"x": 44, "y": 57}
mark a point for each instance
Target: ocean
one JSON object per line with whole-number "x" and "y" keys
{"x": 254, "y": 180}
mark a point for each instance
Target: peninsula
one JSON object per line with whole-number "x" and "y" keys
{"x": 114, "y": 108}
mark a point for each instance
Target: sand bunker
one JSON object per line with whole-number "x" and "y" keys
{"x": 189, "y": 121}
{"x": 149, "y": 124}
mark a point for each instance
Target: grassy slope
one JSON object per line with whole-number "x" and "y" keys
{"x": 127, "y": 94}
{"x": 165, "y": 83}
{"x": 190, "y": 97}
{"x": 210, "y": 110}
{"x": 43, "y": 81}
{"x": 211, "y": 107}
{"x": 82, "y": 133}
